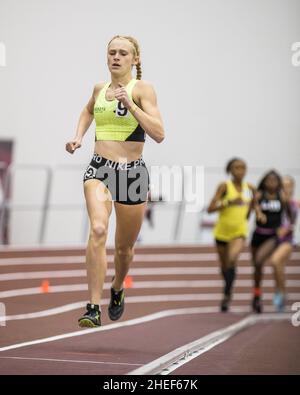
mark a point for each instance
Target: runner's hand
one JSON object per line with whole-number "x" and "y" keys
{"x": 261, "y": 217}
{"x": 72, "y": 145}
{"x": 283, "y": 231}
{"x": 236, "y": 202}
{"x": 122, "y": 96}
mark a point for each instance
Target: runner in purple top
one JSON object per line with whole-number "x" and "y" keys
{"x": 273, "y": 203}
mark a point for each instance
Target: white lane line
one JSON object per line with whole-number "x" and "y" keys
{"x": 189, "y": 356}
{"x": 169, "y": 362}
{"x": 135, "y": 272}
{"x": 142, "y": 299}
{"x": 44, "y": 274}
{"x": 81, "y": 259}
{"x": 49, "y": 312}
{"x": 43, "y": 260}
{"x": 65, "y": 288}
{"x": 153, "y": 258}
{"x": 73, "y": 361}
{"x": 135, "y": 321}
{"x": 36, "y": 248}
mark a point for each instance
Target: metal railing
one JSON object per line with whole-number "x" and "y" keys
{"x": 178, "y": 207}
{"x": 46, "y": 206}
{"x": 7, "y": 205}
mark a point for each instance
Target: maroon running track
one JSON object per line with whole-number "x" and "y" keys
{"x": 163, "y": 279}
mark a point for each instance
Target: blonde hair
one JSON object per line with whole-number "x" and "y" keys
{"x": 289, "y": 178}
{"x": 136, "y": 51}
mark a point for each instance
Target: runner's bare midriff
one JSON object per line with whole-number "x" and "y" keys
{"x": 119, "y": 151}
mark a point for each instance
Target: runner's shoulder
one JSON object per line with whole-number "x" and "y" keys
{"x": 98, "y": 87}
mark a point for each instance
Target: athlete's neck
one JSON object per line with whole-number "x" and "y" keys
{"x": 122, "y": 80}
{"x": 271, "y": 194}
{"x": 237, "y": 182}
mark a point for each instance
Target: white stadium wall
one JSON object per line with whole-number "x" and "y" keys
{"x": 225, "y": 77}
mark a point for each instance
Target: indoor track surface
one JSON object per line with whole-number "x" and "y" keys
{"x": 171, "y": 324}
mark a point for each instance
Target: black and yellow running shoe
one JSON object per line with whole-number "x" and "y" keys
{"x": 92, "y": 317}
{"x": 116, "y": 304}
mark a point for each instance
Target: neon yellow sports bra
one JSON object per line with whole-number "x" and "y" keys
{"x": 114, "y": 121}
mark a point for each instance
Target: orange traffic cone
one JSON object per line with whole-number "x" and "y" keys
{"x": 128, "y": 282}
{"x": 45, "y": 288}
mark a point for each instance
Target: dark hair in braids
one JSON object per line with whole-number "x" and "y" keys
{"x": 262, "y": 184}
{"x": 136, "y": 52}
{"x": 262, "y": 188}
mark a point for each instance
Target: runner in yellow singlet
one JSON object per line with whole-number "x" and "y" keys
{"x": 234, "y": 200}
{"x": 125, "y": 110}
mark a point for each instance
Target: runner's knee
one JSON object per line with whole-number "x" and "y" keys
{"x": 124, "y": 251}
{"x": 274, "y": 262}
{"x": 98, "y": 230}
